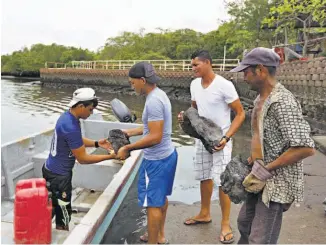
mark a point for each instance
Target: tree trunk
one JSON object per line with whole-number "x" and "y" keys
{"x": 305, "y": 38}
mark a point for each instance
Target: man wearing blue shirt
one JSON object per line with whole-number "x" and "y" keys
{"x": 68, "y": 145}
{"x": 157, "y": 171}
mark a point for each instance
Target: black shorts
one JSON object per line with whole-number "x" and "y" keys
{"x": 60, "y": 187}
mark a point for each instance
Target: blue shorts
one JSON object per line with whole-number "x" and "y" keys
{"x": 155, "y": 180}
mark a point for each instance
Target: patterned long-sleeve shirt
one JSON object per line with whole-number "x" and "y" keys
{"x": 281, "y": 126}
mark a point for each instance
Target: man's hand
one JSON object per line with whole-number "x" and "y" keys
{"x": 180, "y": 116}
{"x": 112, "y": 153}
{"x": 249, "y": 160}
{"x": 221, "y": 145}
{"x": 256, "y": 180}
{"x": 123, "y": 153}
{"x": 105, "y": 144}
{"x": 252, "y": 184}
{"x": 125, "y": 131}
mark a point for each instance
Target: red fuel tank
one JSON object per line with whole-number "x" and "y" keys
{"x": 32, "y": 212}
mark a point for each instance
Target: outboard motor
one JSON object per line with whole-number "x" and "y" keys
{"x": 122, "y": 112}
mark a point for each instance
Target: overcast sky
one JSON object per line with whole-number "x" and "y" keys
{"x": 88, "y": 23}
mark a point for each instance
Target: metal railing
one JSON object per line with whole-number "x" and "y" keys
{"x": 55, "y": 65}
{"x": 165, "y": 65}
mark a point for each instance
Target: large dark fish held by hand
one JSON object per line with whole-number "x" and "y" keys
{"x": 201, "y": 128}
{"x": 118, "y": 139}
{"x": 233, "y": 176}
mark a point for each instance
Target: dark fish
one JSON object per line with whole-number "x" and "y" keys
{"x": 232, "y": 177}
{"x": 118, "y": 139}
{"x": 201, "y": 128}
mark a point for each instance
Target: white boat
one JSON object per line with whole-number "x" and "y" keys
{"x": 98, "y": 189}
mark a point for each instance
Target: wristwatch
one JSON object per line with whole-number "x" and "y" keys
{"x": 226, "y": 138}
{"x": 96, "y": 144}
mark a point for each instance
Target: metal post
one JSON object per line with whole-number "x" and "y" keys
{"x": 224, "y": 57}
{"x": 286, "y": 53}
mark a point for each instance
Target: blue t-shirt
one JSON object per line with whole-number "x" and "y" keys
{"x": 157, "y": 108}
{"x": 67, "y": 135}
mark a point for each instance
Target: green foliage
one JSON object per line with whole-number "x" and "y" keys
{"x": 179, "y": 44}
{"x": 34, "y": 58}
{"x": 248, "y": 18}
{"x": 153, "y": 56}
{"x": 243, "y": 31}
{"x": 322, "y": 54}
{"x": 287, "y": 11}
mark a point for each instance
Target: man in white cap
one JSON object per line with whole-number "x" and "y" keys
{"x": 67, "y": 146}
{"x": 280, "y": 141}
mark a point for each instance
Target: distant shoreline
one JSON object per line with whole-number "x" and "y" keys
{"x": 20, "y": 74}
{"x": 27, "y": 79}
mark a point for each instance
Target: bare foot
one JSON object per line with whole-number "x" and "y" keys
{"x": 144, "y": 237}
{"x": 161, "y": 240}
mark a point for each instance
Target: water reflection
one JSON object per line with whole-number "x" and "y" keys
{"x": 27, "y": 109}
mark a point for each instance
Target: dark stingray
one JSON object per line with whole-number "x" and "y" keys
{"x": 232, "y": 178}
{"x": 117, "y": 138}
{"x": 201, "y": 128}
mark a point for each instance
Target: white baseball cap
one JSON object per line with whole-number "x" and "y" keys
{"x": 82, "y": 94}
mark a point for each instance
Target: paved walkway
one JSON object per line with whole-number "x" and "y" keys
{"x": 320, "y": 141}
{"x": 304, "y": 224}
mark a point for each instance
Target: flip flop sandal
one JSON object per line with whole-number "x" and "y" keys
{"x": 225, "y": 241}
{"x": 196, "y": 222}
{"x": 166, "y": 242}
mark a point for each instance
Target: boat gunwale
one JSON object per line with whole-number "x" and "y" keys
{"x": 95, "y": 216}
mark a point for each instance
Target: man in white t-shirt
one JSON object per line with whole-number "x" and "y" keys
{"x": 214, "y": 97}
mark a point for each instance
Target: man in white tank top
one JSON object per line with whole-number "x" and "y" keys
{"x": 214, "y": 97}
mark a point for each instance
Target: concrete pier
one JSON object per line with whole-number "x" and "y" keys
{"x": 301, "y": 225}
{"x": 305, "y": 79}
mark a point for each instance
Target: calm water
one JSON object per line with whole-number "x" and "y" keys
{"x": 27, "y": 109}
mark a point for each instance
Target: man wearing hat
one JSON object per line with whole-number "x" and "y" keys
{"x": 280, "y": 141}
{"x": 157, "y": 170}
{"x": 68, "y": 145}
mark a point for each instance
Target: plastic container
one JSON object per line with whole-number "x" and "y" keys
{"x": 32, "y": 212}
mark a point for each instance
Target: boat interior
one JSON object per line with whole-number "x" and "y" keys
{"x": 97, "y": 188}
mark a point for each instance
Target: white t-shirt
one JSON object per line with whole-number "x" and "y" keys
{"x": 212, "y": 102}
